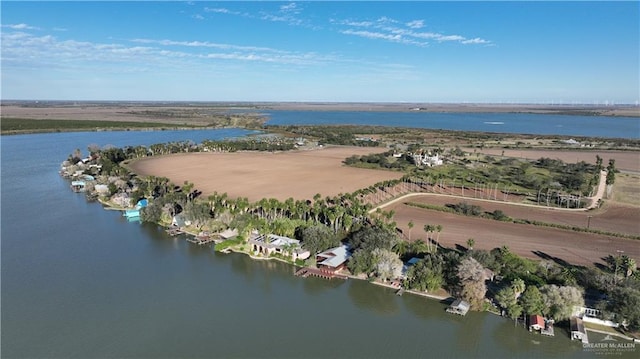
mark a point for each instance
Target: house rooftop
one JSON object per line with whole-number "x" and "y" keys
{"x": 335, "y": 256}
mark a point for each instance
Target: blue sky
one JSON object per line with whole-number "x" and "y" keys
{"x": 548, "y": 52}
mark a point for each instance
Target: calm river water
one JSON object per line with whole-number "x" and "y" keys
{"x": 569, "y": 125}
{"x": 79, "y": 281}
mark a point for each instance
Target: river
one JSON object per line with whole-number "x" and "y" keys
{"x": 567, "y": 125}
{"x": 79, "y": 281}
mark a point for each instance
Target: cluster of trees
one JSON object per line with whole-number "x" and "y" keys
{"x": 339, "y": 135}
{"x": 384, "y": 160}
{"x": 574, "y": 177}
{"x": 251, "y": 144}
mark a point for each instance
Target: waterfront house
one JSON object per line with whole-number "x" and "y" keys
{"x": 459, "y": 306}
{"x": 270, "y": 244}
{"x": 179, "y": 221}
{"x": 536, "y": 323}
{"x": 577, "y": 330}
{"x": 334, "y": 259}
{"x": 78, "y": 186}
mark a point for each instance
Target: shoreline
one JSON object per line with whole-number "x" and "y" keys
{"x": 624, "y": 110}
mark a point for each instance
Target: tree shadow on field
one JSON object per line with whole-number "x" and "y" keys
{"x": 556, "y": 260}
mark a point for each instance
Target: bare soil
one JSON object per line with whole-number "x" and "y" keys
{"x": 257, "y": 175}
{"x": 525, "y": 240}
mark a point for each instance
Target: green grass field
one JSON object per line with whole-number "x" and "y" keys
{"x": 25, "y": 125}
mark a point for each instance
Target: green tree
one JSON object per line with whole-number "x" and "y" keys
{"x": 361, "y": 261}
{"x": 532, "y": 301}
{"x": 370, "y": 238}
{"x": 197, "y": 212}
{"x": 426, "y": 274}
{"x": 471, "y": 275}
{"x": 151, "y": 213}
{"x": 611, "y": 172}
{"x": 625, "y": 304}
{"x": 387, "y": 263}
{"x": 560, "y": 301}
{"x": 470, "y": 243}
{"x": 317, "y": 238}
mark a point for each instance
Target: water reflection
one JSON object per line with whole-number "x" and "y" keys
{"x": 315, "y": 286}
{"x": 424, "y": 308}
{"x": 380, "y": 300}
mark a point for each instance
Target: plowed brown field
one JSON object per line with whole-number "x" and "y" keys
{"x": 257, "y": 175}
{"x": 526, "y": 240}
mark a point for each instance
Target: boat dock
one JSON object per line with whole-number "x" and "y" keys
{"x": 201, "y": 239}
{"x": 400, "y": 292}
{"x": 307, "y": 271}
{"x": 174, "y": 231}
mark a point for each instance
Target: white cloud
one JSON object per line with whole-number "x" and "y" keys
{"x": 383, "y": 36}
{"x": 476, "y": 40}
{"x": 220, "y": 10}
{"x": 198, "y": 17}
{"x": 415, "y": 24}
{"x": 20, "y": 27}
{"x": 388, "y": 29}
{"x": 291, "y": 7}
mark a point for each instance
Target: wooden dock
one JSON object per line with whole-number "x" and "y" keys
{"x": 307, "y": 271}
{"x": 200, "y": 240}
{"x": 174, "y": 231}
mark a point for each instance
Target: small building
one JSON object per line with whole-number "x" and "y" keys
{"x": 142, "y": 203}
{"x": 578, "y": 332}
{"x": 459, "y": 307}
{"x": 78, "y": 186}
{"x": 228, "y": 234}
{"x": 334, "y": 259}
{"x": 536, "y": 323}
{"x": 179, "y": 221}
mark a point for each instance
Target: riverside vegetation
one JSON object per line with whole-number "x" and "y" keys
{"x": 486, "y": 279}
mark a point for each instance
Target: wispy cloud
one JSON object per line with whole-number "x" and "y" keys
{"x": 221, "y": 10}
{"x": 388, "y": 29}
{"x": 287, "y": 13}
{"x": 415, "y": 24}
{"x": 20, "y": 27}
{"x": 22, "y": 49}
{"x": 384, "y": 36}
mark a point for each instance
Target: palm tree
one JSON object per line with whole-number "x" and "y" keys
{"x": 628, "y": 265}
{"x": 470, "y": 243}
{"x": 438, "y": 229}
{"x": 429, "y": 229}
{"x": 418, "y": 247}
{"x": 518, "y": 287}
{"x": 410, "y": 225}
